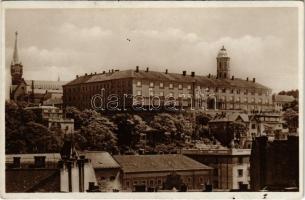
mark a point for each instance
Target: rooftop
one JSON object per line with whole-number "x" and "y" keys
{"x": 283, "y": 98}
{"x": 157, "y": 163}
{"x": 167, "y": 77}
{"x": 101, "y": 159}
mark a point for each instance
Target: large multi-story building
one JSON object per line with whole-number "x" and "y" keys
{"x": 189, "y": 90}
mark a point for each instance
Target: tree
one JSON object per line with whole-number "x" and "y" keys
{"x": 226, "y": 132}
{"x": 24, "y": 135}
{"x": 130, "y": 128}
{"x": 292, "y": 119}
{"x": 93, "y": 131}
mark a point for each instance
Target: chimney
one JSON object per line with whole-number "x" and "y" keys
{"x": 193, "y": 74}
{"x": 184, "y": 73}
{"x": 247, "y": 78}
{"x": 76, "y": 76}
{"x": 253, "y": 80}
{"x": 147, "y": 69}
{"x": 94, "y": 72}
{"x": 209, "y": 76}
{"x": 166, "y": 71}
{"x": 117, "y": 70}
{"x": 137, "y": 68}
{"x": 112, "y": 70}
{"x": 104, "y": 72}
{"x": 86, "y": 74}
{"x": 91, "y": 73}
{"x": 232, "y": 77}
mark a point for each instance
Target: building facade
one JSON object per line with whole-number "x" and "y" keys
{"x": 151, "y": 171}
{"x": 189, "y": 90}
{"x": 231, "y": 166}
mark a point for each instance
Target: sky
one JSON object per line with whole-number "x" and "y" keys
{"x": 262, "y": 42}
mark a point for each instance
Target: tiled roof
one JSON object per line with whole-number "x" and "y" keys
{"x": 283, "y": 98}
{"x": 230, "y": 117}
{"x": 155, "y": 163}
{"x": 170, "y": 77}
{"x": 100, "y": 159}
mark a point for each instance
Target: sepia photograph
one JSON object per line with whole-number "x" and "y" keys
{"x": 149, "y": 97}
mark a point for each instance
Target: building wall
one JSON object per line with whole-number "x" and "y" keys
{"x": 193, "y": 179}
{"x": 225, "y": 174}
{"x": 275, "y": 165}
{"x": 236, "y": 98}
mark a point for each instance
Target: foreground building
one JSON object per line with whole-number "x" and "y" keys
{"x": 231, "y": 166}
{"x": 150, "y": 172}
{"x": 223, "y": 91}
{"x": 275, "y": 164}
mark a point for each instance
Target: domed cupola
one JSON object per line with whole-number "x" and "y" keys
{"x": 223, "y": 64}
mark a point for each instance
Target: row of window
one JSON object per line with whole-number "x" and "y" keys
{"x": 223, "y": 90}
{"x": 161, "y": 85}
{"x": 182, "y": 95}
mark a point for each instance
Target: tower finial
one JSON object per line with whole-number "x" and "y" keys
{"x": 223, "y": 47}
{"x": 15, "y": 54}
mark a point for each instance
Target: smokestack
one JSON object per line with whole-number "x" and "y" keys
{"x": 193, "y": 74}
{"x": 166, "y": 71}
{"x": 232, "y": 77}
{"x": 253, "y": 80}
{"x": 184, "y": 73}
{"x": 137, "y": 68}
{"x": 147, "y": 69}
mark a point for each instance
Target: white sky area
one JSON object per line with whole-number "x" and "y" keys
{"x": 262, "y": 42}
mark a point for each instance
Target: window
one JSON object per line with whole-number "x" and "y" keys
{"x": 151, "y": 84}
{"x": 246, "y": 92}
{"x": 171, "y": 86}
{"x": 151, "y": 183}
{"x": 189, "y": 87}
{"x": 161, "y": 85}
{"x": 127, "y": 183}
{"x": 240, "y": 160}
{"x": 246, "y": 100}
{"x": 232, "y": 91}
{"x": 253, "y": 126}
{"x": 180, "y": 86}
{"x": 159, "y": 182}
{"x": 240, "y": 173}
{"x": 139, "y": 92}
{"x": 238, "y": 91}
{"x": 161, "y": 94}
{"x": 237, "y": 99}
{"x": 224, "y": 90}
{"x": 151, "y": 93}
{"x": 139, "y": 84}
{"x": 171, "y": 94}
{"x": 252, "y": 100}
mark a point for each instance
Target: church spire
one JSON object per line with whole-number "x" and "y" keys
{"x": 15, "y": 55}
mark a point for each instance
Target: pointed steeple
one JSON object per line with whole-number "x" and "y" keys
{"x": 15, "y": 54}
